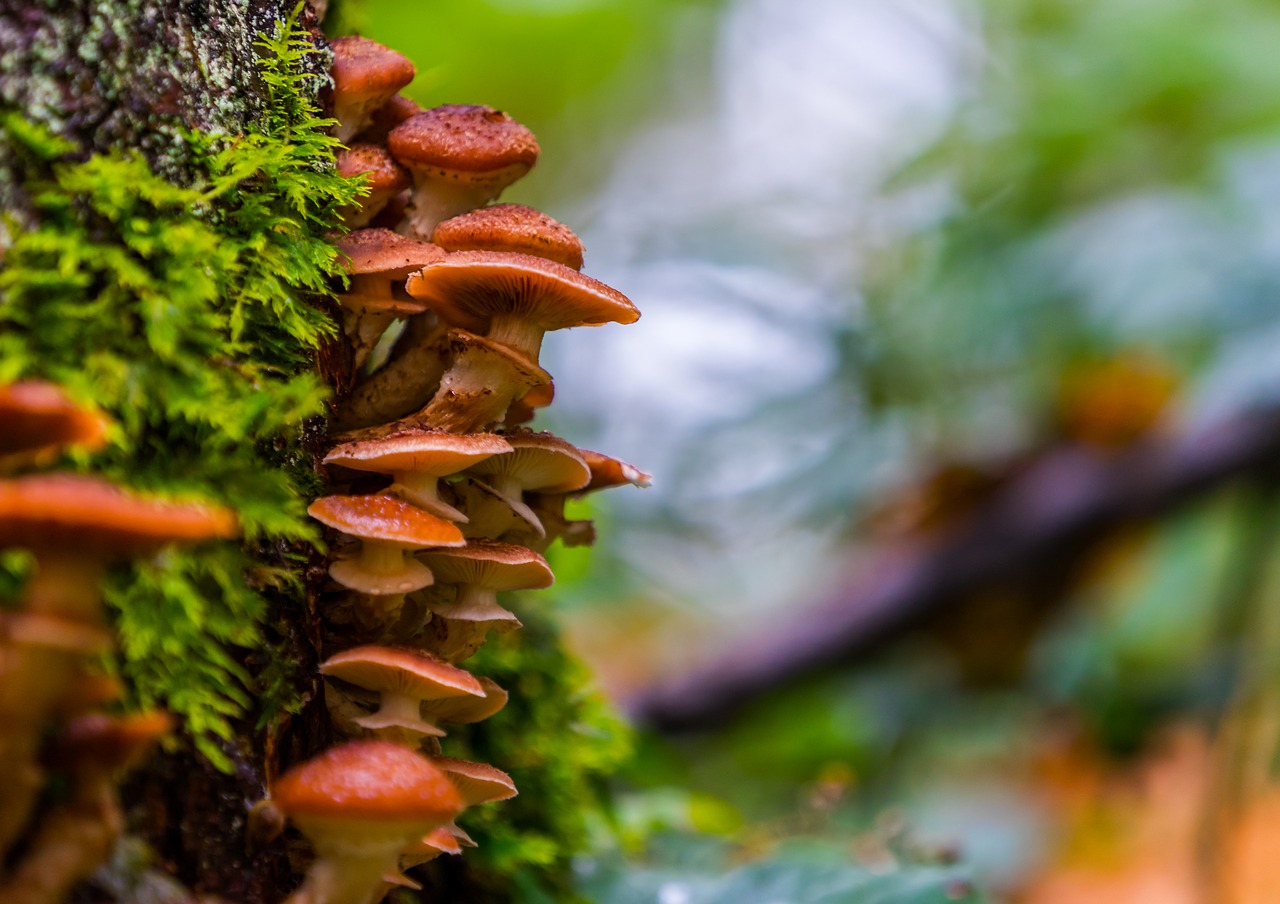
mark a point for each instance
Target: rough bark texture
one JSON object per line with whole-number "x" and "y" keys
{"x": 118, "y": 75}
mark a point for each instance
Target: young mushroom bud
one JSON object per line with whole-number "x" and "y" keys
{"x": 461, "y": 156}
{"x": 360, "y": 804}
{"x": 365, "y": 76}
{"x": 384, "y": 178}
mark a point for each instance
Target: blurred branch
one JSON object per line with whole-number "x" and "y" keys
{"x": 1044, "y": 521}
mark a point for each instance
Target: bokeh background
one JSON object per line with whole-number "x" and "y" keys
{"x": 893, "y": 256}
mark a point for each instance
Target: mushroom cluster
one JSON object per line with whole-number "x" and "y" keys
{"x": 51, "y": 696}
{"x": 441, "y": 501}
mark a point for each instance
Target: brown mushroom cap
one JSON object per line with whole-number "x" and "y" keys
{"x": 499, "y": 567}
{"x": 467, "y": 142}
{"x": 383, "y": 253}
{"x": 538, "y": 462}
{"x": 368, "y": 781}
{"x": 99, "y": 519}
{"x": 421, "y": 449}
{"x": 511, "y": 228}
{"x": 607, "y": 472}
{"x": 514, "y": 298}
{"x": 385, "y": 519}
{"x": 395, "y": 111}
{"x": 478, "y": 783}
{"x": 468, "y": 710}
{"x": 365, "y": 76}
{"x": 38, "y": 417}
{"x": 401, "y": 670}
{"x": 384, "y": 178}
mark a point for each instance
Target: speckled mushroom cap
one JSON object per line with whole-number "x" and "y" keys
{"x": 478, "y": 783}
{"x": 365, "y": 76}
{"x": 421, "y": 449}
{"x": 385, "y": 519}
{"x": 401, "y": 670}
{"x": 370, "y": 787}
{"x": 384, "y": 178}
{"x": 97, "y": 518}
{"x": 538, "y": 462}
{"x": 497, "y": 566}
{"x": 468, "y": 143}
{"x": 382, "y": 252}
{"x": 37, "y": 416}
{"x": 514, "y": 298}
{"x": 387, "y": 117}
{"x": 511, "y": 228}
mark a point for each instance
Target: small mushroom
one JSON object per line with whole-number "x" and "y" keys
{"x": 539, "y": 462}
{"x": 385, "y": 180}
{"x": 360, "y": 804}
{"x": 514, "y": 299}
{"x": 365, "y": 76}
{"x": 387, "y": 117}
{"x": 388, "y": 528}
{"x": 482, "y": 569}
{"x": 416, "y": 458}
{"x": 378, "y": 260}
{"x": 462, "y": 156}
{"x": 511, "y": 228}
{"x": 404, "y": 678}
{"x": 37, "y": 420}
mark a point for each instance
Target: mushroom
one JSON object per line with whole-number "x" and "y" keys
{"x": 416, "y": 458}
{"x": 482, "y": 569}
{"x": 378, "y": 260}
{"x": 365, "y": 75}
{"x": 75, "y": 526}
{"x": 512, "y": 228}
{"x": 386, "y": 179}
{"x": 360, "y": 804}
{"x": 513, "y": 299}
{"x": 480, "y": 384}
{"x": 78, "y": 835}
{"x": 37, "y": 420}
{"x": 523, "y": 409}
{"x": 607, "y": 472}
{"x": 404, "y": 678}
{"x": 387, "y": 528}
{"x": 478, "y": 783}
{"x": 539, "y": 462}
{"x": 387, "y": 117}
{"x": 462, "y": 156}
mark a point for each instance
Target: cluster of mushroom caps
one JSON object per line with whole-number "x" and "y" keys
{"x": 441, "y": 499}
{"x": 53, "y": 698}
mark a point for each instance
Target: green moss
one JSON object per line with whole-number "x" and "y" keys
{"x": 186, "y": 312}
{"x": 560, "y": 742}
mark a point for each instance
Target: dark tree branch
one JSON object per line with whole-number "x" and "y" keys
{"x": 1046, "y": 519}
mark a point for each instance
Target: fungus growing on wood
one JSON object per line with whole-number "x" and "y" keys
{"x": 539, "y": 462}
{"x": 378, "y": 260}
{"x": 511, "y": 228}
{"x": 75, "y": 526}
{"x": 513, "y": 299}
{"x": 37, "y": 420}
{"x": 388, "y": 528}
{"x": 462, "y": 156}
{"x": 404, "y": 678}
{"x": 416, "y": 458}
{"x": 482, "y": 569}
{"x": 385, "y": 180}
{"x": 480, "y": 384}
{"x": 360, "y": 804}
{"x": 365, "y": 76}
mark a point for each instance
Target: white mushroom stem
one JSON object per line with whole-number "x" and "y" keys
{"x": 475, "y": 392}
{"x": 437, "y": 200}
{"x": 399, "y": 710}
{"x": 381, "y": 569}
{"x": 475, "y": 603}
{"x": 512, "y": 492}
{"x": 347, "y": 874}
{"x": 517, "y": 332}
{"x": 423, "y": 490}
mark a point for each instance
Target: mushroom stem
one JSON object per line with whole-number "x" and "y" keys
{"x": 381, "y": 569}
{"x": 516, "y": 332}
{"x": 345, "y": 879}
{"x": 402, "y": 711}
{"x": 435, "y": 201}
{"x": 66, "y": 584}
{"x": 512, "y": 492}
{"x": 423, "y": 490}
{"x": 476, "y": 603}
{"x": 478, "y": 388}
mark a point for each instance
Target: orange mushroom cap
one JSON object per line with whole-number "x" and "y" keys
{"x": 99, "y": 518}
{"x": 385, "y": 519}
{"x": 478, "y": 783}
{"x": 37, "y": 417}
{"x": 402, "y": 670}
{"x": 471, "y": 142}
{"x": 365, "y": 75}
{"x": 395, "y": 111}
{"x": 385, "y": 179}
{"x": 511, "y": 228}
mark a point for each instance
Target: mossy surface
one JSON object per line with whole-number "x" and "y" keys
{"x": 187, "y": 310}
